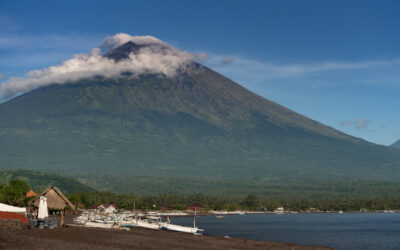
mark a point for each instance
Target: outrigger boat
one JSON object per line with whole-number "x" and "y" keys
{"x": 183, "y": 229}
{"x": 154, "y": 222}
{"x": 129, "y": 220}
{"x": 150, "y": 222}
{"x": 100, "y": 225}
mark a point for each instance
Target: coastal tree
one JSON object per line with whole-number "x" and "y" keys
{"x": 251, "y": 202}
{"x": 14, "y": 192}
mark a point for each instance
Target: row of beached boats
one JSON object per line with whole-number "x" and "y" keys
{"x": 129, "y": 220}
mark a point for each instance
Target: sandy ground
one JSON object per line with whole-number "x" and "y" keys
{"x": 13, "y": 237}
{"x": 137, "y": 238}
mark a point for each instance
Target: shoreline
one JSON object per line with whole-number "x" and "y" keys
{"x": 223, "y": 213}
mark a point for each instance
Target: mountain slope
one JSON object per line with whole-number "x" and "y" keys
{"x": 197, "y": 124}
{"x": 396, "y": 144}
{"x": 40, "y": 181}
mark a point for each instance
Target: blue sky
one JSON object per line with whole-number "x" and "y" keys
{"x": 337, "y": 62}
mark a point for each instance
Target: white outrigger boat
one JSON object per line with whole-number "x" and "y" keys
{"x": 183, "y": 229}
{"x": 150, "y": 222}
{"x": 128, "y": 220}
{"x": 100, "y": 225}
{"x": 154, "y": 222}
{"x": 86, "y": 221}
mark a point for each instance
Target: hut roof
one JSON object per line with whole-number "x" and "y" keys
{"x": 55, "y": 199}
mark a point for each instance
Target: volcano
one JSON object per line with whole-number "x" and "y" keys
{"x": 192, "y": 131}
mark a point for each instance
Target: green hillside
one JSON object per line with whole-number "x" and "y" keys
{"x": 40, "y": 181}
{"x": 197, "y": 131}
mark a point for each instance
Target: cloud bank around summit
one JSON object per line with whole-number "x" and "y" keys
{"x": 156, "y": 57}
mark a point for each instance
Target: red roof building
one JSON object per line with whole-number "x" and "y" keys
{"x": 195, "y": 206}
{"x": 30, "y": 194}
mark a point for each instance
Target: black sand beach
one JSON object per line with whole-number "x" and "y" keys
{"x": 137, "y": 238}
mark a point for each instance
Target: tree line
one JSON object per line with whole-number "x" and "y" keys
{"x": 250, "y": 202}
{"x": 14, "y": 193}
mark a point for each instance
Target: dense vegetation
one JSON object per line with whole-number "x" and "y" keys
{"x": 250, "y": 202}
{"x": 279, "y": 189}
{"x": 198, "y": 132}
{"x": 14, "y": 193}
{"x": 39, "y": 181}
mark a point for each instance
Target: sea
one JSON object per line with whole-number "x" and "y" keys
{"x": 340, "y": 231}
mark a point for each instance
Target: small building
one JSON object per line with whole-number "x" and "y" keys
{"x": 55, "y": 200}
{"x": 279, "y": 210}
{"x": 195, "y": 206}
{"x": 31, "y": 193}
{"x": 107, "y": 208}
{"x": 94, "y": 206}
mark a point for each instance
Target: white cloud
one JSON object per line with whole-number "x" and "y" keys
{"x": 359, "y": 123}
{"x": 262, "y": 70}
{"x": 227, "y": 60}
{"x": 346, "y": 123}
{"x": 201, "y": 56}
{"x": 112, "y": 42}
{"x": 157, "y": 58}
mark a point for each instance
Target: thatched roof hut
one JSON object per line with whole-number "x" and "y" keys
{"x": 55, "y": 199}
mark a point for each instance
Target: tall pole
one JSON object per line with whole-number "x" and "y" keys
{"x": 194, "y": 218}
{"x": 62, "y": 217}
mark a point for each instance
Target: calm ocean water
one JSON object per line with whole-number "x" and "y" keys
{"x": 341, "y": 231}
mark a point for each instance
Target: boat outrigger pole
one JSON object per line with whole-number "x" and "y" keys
{"x": 194, "y": 218}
